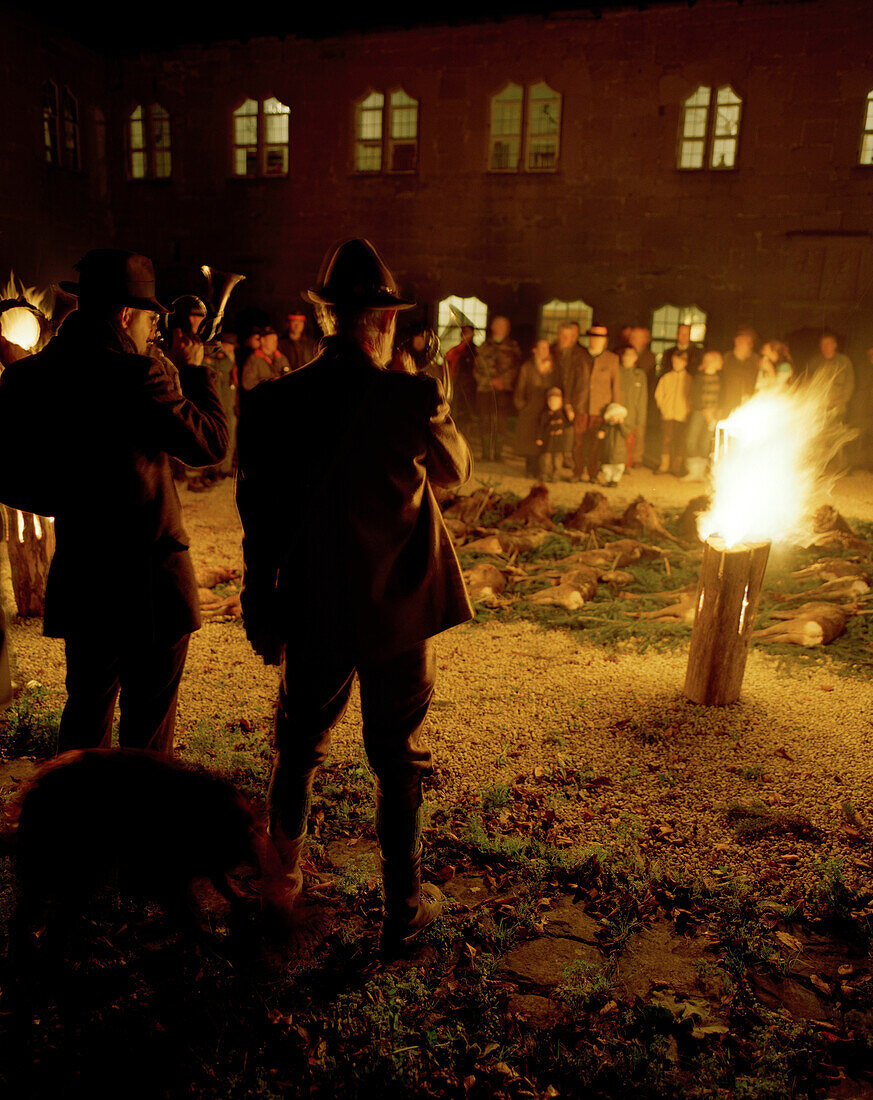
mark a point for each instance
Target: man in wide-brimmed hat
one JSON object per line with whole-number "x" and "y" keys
{"x": 121, "y": 589}
{"x": 349, "y": 567}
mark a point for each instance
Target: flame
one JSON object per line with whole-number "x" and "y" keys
{"x": 778, "y": 465}
{"x": 19, "y": 324}
{"x": 43, "y": 300}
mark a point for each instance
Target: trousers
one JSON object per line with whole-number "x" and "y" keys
{"x": 313, "y": 696}
{"x": 147, "y": 676}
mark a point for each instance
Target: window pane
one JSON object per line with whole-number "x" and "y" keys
{"x": 374, "y": 101}
{"x": 138, "y": 165}
{"x": 136, "y": 112}
{"x": 137, "y": 136}
{"x": 368, "y": 158}
{"x": 504, "y": 155}
{"x": 370, "y": 124}
{"x": 403, "y": 156}
{"x": 545, "y": 110}
{"x": 475, "y": 311}
{"x": 556, "y": 312}
{"x": 250, "y": 107}
{"x": 700, "y": 98}
{"x": 691, "y": 154}
{"x": 404, "y": 122}
{"x": 867, "y": 149}
{"x": 543, "y": 154}
{"x": 273, "y": 106}
{"x": 694, "y": 122}
{"x": 276, "y": 129}
{"x": 868, "y": 118}
{"x": 276, "y": 160}
{"x": 726, "y": 94}
{"x": 163, "y": 165}
{"x": 724, "y": 153}
{"x": 727, "y": 121}
{"x": 506, "y": 119}
{"x": 245, "y": 130}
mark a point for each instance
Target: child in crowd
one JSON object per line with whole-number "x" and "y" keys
{"x": 776, "y": 368}
{"x": 635, "y": 388}
{"x": 673, "y": 397}
{"x": 615, "y": 444}
{"x": 553, "y": 424}
{"x": 706, "y": 401}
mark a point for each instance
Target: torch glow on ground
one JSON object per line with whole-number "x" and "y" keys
{"x": 774, "y": 466}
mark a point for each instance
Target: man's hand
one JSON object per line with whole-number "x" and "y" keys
{"x": 188, "y": 348}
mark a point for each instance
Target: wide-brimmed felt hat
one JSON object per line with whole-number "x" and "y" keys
{"x": 114, "y": 277}
{"x": 356, "y": 277}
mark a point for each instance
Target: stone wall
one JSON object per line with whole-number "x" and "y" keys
{"x": 782, "y": 242}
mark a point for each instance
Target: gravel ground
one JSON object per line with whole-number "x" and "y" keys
{"x": 514, "y": 699}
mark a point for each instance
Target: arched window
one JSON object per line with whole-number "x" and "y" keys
{"x": 403, "y": 132}
{"x": 452, "y": 312}
{"x": 72, "y": 154}
{"x": 60, "y": 127}
{"x": 368, "y": 133}
{"x": 543, "y": 128}
{"x": 866, "y": 154}
{"x": 50, "y": 128}
{"x": 666, "y": 322}
{"x": 261, "y": 137}
{"x": 506, "y": 116}
{"x": 149, "y": 154}
{"x": 556, "y": 313}
{"x": 386, "y": 143}
{"x": 709, "y": 131}
{"x": 525, "y": 129}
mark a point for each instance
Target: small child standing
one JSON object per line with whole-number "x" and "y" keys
{"x": 614, "y": 447}
{"x": 706, "y": 399}
{"x": 673, "y": 397}
{"x": 553, "y": 424}
{"x": 635, "y": 387}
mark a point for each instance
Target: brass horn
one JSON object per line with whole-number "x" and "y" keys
{"x": 219, "y": 282}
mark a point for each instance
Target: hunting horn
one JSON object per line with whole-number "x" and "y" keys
{"x": 223, "y": 281}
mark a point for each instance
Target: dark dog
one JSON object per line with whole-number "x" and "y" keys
{"x": 94, "y": 816}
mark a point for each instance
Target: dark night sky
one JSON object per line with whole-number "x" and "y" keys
{"x": 162, "y": 25}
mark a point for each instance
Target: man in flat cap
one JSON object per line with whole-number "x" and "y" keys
{"x": 121, "y": 589}
{"x": 349, "y": 567}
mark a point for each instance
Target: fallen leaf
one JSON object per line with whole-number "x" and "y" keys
{"x": 820, "y": 985}
{"x": 783, "y": 752}
{"x": 789, "y": 941}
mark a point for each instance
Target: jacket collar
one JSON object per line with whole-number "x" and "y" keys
{"x": 80, "y": 329}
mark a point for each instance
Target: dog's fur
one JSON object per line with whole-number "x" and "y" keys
{"x": 92, "y": 816}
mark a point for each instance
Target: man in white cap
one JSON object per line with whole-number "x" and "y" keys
{"x": 349, "y": 568}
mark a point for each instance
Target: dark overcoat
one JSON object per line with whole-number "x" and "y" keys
{"x": 344, "y": 543}
{"x": 110, "y": 420}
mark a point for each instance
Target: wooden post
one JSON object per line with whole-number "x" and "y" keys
{"x": 728, "y": 594}
{"x": 31, "y": 544}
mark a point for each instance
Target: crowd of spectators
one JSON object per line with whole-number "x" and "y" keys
{"x": 585, "y": 412}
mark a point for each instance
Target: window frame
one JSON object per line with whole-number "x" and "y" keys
{"x": 71, "y": 145}
{"x": 387, "y": 143}
{"x": 51, "y": 124}
{"x": 584, "y": 315}
{"x": 691, "y": 315}
{"x": 524, "y": 136}
{"x": 150, "y": 149}
{"x": 261, "y": 146}
{"x": 866, "y": 132}
{"x": 710, "y": 136}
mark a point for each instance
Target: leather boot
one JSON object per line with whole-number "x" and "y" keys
{"x": 287, "y": 881}
{"x": 410, "y": 907}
